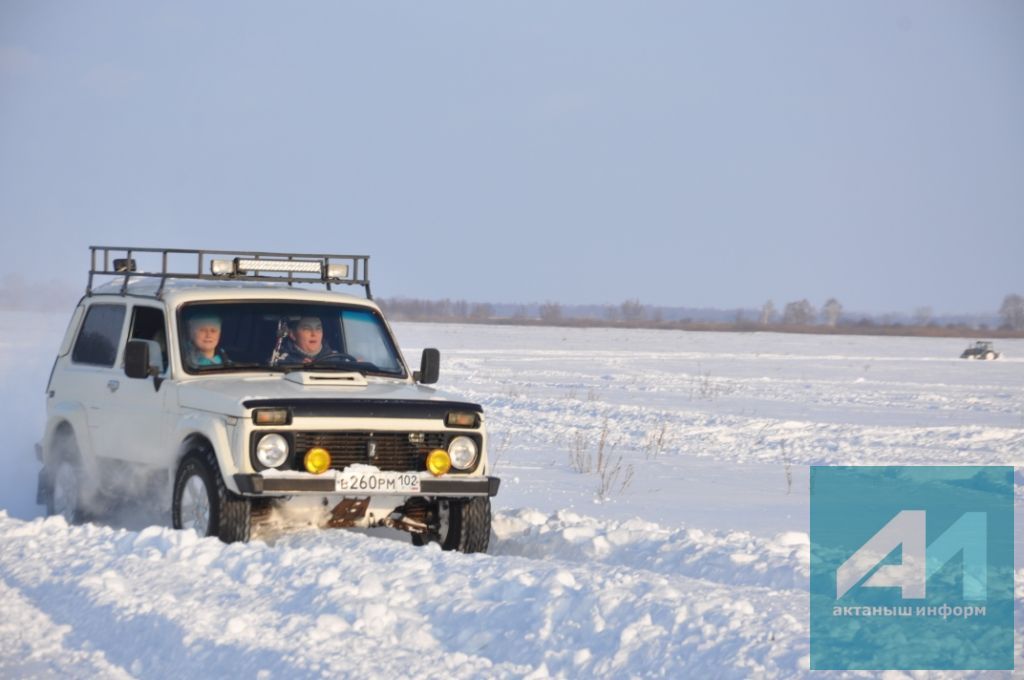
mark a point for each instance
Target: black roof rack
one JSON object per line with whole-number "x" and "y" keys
{"x": 227, "y": 265}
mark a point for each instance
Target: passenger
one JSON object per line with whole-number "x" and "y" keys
{"x": 305, "y": 342}
{"x": 204, "y": 336}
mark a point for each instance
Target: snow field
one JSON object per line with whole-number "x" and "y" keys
{"x": 697, "y": 568}
{"x": 807, "y": 406}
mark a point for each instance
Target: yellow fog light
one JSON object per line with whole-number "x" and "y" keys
{"x": 317, "y": 460}
{"x": 438, "y": 462}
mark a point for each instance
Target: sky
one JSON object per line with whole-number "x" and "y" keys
{"x": 702, "y": 154}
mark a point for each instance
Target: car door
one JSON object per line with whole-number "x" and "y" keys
{"x": 91, "y": 377}
{"x": 137, "y": 418}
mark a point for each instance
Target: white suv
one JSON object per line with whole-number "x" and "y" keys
{"x": 235, "y": 392}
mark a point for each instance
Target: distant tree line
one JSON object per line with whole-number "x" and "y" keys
{"x": 1012, "y": 312}
{"x": 796, "y": 316}
{"x": 412, "y": 309}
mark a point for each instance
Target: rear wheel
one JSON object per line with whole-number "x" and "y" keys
{"x": 460, "y": 524}
{"x": 66, "y": 492}
{"x": 201, "y": 501}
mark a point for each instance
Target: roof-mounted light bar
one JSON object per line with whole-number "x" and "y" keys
{"x": 253, "y": 266}
{"x": 242, "y": 267}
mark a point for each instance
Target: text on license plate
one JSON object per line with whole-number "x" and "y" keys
{"x": 380, "y": 482}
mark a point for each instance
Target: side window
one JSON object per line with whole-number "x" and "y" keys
{"x": 148, "y": 324}
{"x": 97, "y": 340}
{"x": 365, "y": 339}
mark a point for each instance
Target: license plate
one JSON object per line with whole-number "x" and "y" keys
{"x": 378, "y": 482}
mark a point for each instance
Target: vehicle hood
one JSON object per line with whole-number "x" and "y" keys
{"x": 234, "y": 395}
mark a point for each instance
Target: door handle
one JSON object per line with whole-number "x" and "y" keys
{"x": 112, "y": 385}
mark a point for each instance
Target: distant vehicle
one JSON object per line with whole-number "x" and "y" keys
{"x": 981, "y": 349}
{"x": 194, "y": 384}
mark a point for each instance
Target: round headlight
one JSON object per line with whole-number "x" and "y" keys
{"x": 462, "y": 451}
{"x": 272, "y": 450}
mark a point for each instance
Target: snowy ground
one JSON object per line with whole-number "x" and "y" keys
{"x": 692, "y": 563}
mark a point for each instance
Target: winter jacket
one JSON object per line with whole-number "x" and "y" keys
{"x": 195, "y": 358}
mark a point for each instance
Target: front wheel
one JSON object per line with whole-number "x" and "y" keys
{"x": 461, "y": 524}
{"x": 201, "y": 501}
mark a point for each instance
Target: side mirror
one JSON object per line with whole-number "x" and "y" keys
{"x": 430, "y": 366}
{"x": 142, "y": 358}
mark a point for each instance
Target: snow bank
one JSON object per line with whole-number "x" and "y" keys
{"x": 723, "y": 557}
{"x": 162, "y": 603}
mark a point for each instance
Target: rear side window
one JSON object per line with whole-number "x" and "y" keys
{"x": 98, "y": 339}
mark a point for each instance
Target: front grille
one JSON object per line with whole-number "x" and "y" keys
{"x": 393, "y": 450}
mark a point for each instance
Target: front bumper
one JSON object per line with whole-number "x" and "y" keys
{"x": 257, "y": 485}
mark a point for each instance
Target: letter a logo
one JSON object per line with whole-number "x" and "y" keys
{"x": 907, "y": 529}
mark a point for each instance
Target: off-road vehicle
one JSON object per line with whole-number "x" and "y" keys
{"x": 222, "y": 384}
{"x": 981, "y": 349}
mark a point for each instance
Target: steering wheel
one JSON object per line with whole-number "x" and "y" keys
{"x": 347, "y": 358}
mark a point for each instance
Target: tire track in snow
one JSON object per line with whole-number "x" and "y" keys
{"x": 35, "y": 646}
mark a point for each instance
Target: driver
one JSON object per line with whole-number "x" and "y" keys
{"x": 305, "y": 342}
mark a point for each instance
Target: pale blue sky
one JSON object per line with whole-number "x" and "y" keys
{"x": 693, "y": 154}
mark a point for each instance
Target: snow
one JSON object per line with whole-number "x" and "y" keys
{"x": 694, "y": 564}
{"x": 327, "y": 603}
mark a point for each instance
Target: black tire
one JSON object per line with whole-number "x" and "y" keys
{"x": 464, "y": 524}
{"x": 470, "y": 526}
{"x": 229, "y": 516}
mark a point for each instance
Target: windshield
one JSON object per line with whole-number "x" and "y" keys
{"x": 284, "y": 336}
